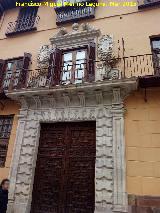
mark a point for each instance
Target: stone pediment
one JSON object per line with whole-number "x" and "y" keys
{"x": 79, "y": 35}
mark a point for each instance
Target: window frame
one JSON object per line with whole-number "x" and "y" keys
{"x": 13, "y": 71}
{"x": 4, "y": 141}
{"x": 73, "y": 69}
{"x": 156, "y": 58}
{"x": 151, "y": 41}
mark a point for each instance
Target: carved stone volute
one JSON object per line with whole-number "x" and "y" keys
{"x": 43, "y": 57}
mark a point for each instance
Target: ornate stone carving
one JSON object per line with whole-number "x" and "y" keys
{"x": 23, "y": 101}
{"x": 114, "y": 74}
{"x": 66, "y": 99}
{"x": 110, "y": 191}
{"x": 79, "y": 35}
{"x": 111, "y": 74}
{"x": 107, "y": 72}
{"x": 75, "y": 27}
{"x": 116, "y": 96}
{"x": 43, "y": 57}
{"x": 87, "y": 27}
{"x": 37, "y": 102}
{"x": 61, "y": 32}
{"x": 82, "y": 99}
{"x": 105, "y": 47}
{"x": 99, "y": 97}
{"x": 52, "y": 101}
{"x": 107, "y": 66}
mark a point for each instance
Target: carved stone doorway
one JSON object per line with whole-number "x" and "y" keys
{"x": 65, "y": 169}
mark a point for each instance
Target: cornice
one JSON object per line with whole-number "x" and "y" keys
{"x": 125, "y": 85}
{"x": 79, "y": 35}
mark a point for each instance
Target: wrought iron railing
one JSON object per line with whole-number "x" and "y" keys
{"x": 73, "y": 14}
{"x": 22, "y": 25}
{"x": 79, "y": 10}
{"x": 147, "y": 3}
{"x": 120, "y": 68}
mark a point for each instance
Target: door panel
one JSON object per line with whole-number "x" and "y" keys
{"x": 65, "y": 169}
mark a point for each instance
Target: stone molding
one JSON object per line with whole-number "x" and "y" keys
{"x": 79, "y": 36}
{"x": 105, "y": 106}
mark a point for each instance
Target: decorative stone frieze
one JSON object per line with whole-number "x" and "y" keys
{"x": 79, "y": 36}
{"x": 99, "y": 97}
{"x": 82, "y": 100}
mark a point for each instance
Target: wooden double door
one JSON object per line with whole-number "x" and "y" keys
{"x": 65, "y": 169}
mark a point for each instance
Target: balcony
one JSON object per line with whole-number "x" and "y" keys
{"x": 143, "y": 66}
{"x": 22, "y": 25}
{"x": 147, "y": 3}
{"x": 74, "y": 13}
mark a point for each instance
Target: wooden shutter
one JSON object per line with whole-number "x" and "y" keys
{"x": 2, "y": 70}
{"x": 55, "y": 67}
{"x": 25, "y": 70}
{"x": 91, "y": 61}
{"x": 5, "y": 131}
{"x": 50, "y": 69}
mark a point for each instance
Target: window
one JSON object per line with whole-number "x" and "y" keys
{"x": 74, "y": 66}
{"x": 26, "y": 21}
{"x": 13, "y": 70}
{"x": 156, "y": 45}
{"x": 26, "y": 18}
{"x": 155, "y": 42}
{"x": 5, "y": 130}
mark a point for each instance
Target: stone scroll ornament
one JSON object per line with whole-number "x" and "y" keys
{"x": 108, "y": 63}
{"x": 43, "y": 57}
{"x": 39, "y": 78}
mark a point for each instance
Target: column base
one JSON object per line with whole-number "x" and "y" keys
{"x": 18, "y": 208}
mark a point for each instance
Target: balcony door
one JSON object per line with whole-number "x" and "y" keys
{"x": 12, "y": 73}
{"x": 74, "y": 66}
